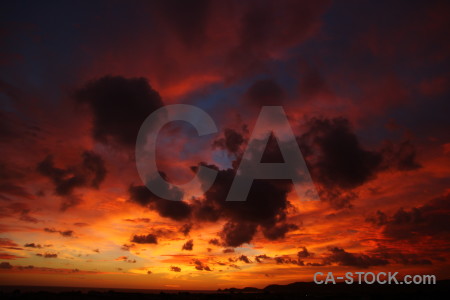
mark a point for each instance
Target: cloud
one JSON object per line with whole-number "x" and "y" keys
{"x": 266, "y": 205}
{"x": 176, "y": 210}
{"x": 8, "y": 244}
{"x": 201, "y": 266}
{"x": 45, "y": 270}
{"x": 344, "y": 258}
{"x": 8, "y": 178}
{"x": 228, "y": 250}
{"x": 278, "y": 231}
{"x": 119, "y": 105}
{"x": 175, "y": 269}
{"x": 245, "y": 259}
{"x": 262, "y": 32}
{"x": 286, "y": 260}
{"x": 264, "y": 92}
{"x": 265, "y": 208}
{"x": 399, "y": 257}
{"x": 64, "y": 233}
{"x": 339, "y": 163}
{"x": 4, "y": 255}
{"x": 260, "y": 258}
{"x": 89, "y": 173}
{"x": 127, "y": 247}
{"x": 187, "y": 20}
{"x": 21, "y": 211}
{"x": 32, "y": 245}
{"x": 231, "y": 141}
{"x": 189, "y": 245}
{"x": 144, "y": 239}
{"x": 214, "y": 242}
{"x": 235, "y": 234}
{"x": 312, "y": 84}
{"x": 400, "y": 156}
{"x": 379, "y": 219}
{"x": 427, "y": 220}
{"x": 80, "y": 224}
{"x": 125, "y": 259}
{"x": 138, "y": 220}
{"x": 47, "y": 255}
{"x": 341, "y": 160}
{"x": 303, "y": 253}
{"x": 5, "y": 265}
{"x": 185, "y": 229}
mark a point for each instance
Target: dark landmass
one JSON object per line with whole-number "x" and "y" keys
{"x": 297, "y": 290}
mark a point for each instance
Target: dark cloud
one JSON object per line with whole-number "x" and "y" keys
{"x": 336, "y": 159}
{"x": 188, "y": 20}
{"x": 5, "y": 265}
{"x": 175, "y": 269}
{"x": 303, "y": 253}
{"x": 89, "y": 173}
{"x": 265, "y": 207}
{"x": 231, "y": 141}
{"x": 119, "y": 106}
{"x": 176, "y": 210}
{"x": 339, "y": 163}
{"x": 201, "y": 266}
{"x": 400, "y": 156}
{"x": 185, "y": 229}
{"x": 277, "y": 232}
{"x": 379, "y": 219}
{"x": 8, "y": 244}
{"x": 228, "y": 250}
{"x": 312, "y": 83}
{"x": 7, "y": 128}
{"x": 145, "y": 239}
{"x": 260, "y": 258}
{"x": 262, "y": 31}
{"x": 344, "y": 258}
{"x": 21, "y": 211}
{"x": 29, "y": 267}
{"x": 215, "y": 242}
{"x": 264, "y": 93}
{"x": 428, "y": 220}
{"x": 245, "y": 259}
{"x": 189, "y": 245}
{"x": 65, "y": 233}
{"x": 47, "y": 255}
{"x": 285, "y": 260}
{"x": 8, "y": 183}
{"x": 399, "y": 257}
{"x": 138, "y": 220}
{"x": 32, "y": 245}
{"x": 127, "y": 247}
{"x": 4, "y": 255}
{"x": 235, "y": 234}
{"x": 125, "y": 259}
{"x": 81, "y": 224}
{"x": 340, "y": 159}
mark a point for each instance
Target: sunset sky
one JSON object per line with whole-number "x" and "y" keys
{"x": 365, "y": 85}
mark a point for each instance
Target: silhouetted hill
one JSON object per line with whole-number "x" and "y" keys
{"x": 350, "y": 291}
{"x": 296, "y": 290}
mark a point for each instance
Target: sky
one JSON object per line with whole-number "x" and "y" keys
{"x": 364, "y": 84}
